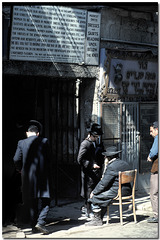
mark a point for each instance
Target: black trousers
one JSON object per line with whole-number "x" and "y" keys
{"x": 39, "y": 208}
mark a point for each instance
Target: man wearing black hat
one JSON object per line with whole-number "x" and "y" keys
{"x": 90, "y": 167}
{"x": 153, "y": 157}
{"x": 107, "y": 188}
{"x": 33, "y": 160}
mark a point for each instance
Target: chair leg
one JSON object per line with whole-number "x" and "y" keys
{"x": 107, "y": 215}
{"x": 120, "y": 210}
{"x": 134, "y": 211}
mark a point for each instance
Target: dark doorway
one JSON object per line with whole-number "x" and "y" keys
{"x": 53, "y": 102}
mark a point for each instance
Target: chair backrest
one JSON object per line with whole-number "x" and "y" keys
{"x": 128, "y": 177}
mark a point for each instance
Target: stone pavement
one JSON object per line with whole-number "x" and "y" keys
{"x": 66, "y": 222}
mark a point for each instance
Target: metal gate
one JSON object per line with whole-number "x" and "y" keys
{"x": 130, "y": 133}
{"x": 120, "y": 123}
{"x": 61, "y": 116}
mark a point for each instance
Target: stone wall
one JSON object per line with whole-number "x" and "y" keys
{"x": 134, "y": 26}
{"x": 121, "y": 29}
{"x": 130, "y": 31}
{"x": 54, "y": 70}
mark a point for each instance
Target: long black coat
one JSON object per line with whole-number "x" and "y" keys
{"x": 89, "y": 176}
{"x": 107, "y": 188}
{"x": 33, "y": 159}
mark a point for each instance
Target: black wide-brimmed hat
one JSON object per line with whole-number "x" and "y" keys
{"x": 34, "y": 123}
{"x": 111, "y": 151}
{"x": 95, "y": 129}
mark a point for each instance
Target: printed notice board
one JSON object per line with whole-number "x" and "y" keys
{"x": 55, "y": 34}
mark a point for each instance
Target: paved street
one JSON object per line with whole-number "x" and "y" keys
{"x": 66, "y": 222}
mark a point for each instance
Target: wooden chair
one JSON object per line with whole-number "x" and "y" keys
{"x": 125, "y": 177}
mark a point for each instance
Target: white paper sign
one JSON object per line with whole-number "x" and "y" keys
{"x": 93, "y": 37}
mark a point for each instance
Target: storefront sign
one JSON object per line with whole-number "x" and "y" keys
{"x": 133, "y": 77}
{"x": 52, "y": 34}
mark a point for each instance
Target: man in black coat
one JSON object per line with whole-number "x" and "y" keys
{"x": 90, "y": 167}
{"x": 107, "y": 188}
{"x": 33, "y": 160}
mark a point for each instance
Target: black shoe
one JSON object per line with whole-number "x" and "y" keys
{"x": 42, "y": 229}
{"x": 152, "y": 220}
{"x": 35, "y": 230}
{"x": 96, "y": 220}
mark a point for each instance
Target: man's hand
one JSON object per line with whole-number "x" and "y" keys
{"x": 95, "y": 166}
{"x": 91, "y": 195}
{"x": 148, "y": 159}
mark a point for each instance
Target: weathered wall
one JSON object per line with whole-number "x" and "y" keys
{"x": 128, "y": 30}
{"x": 54, "y": 70}
{"x": 88, "y": 111}
{"x": 123, "y": 29}
{"x": 123, "y": 25}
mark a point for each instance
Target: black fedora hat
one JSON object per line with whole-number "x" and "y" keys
{"x": 34, "y": 123}
{"x": 95, "y": 129}
{"x": 111, "y": 151}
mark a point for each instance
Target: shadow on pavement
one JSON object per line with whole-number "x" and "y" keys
{"x": 65, "y": 224}
{"x": 126, "y": 219}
